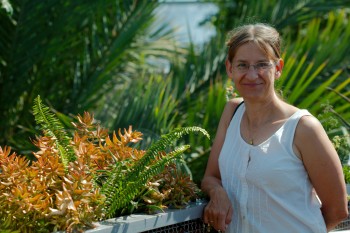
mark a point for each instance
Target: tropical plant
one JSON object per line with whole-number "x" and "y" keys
{"x": 77, "y": 180}
{"x": 346, "y": 171}
{"x": 149, "y": 102}
{"x": 115, "y": 48}
{"x": 342, "y": 138}
{"x": 338, "y": 134}
{"x": 308, "y": 29}
{"x": 310, "y": 74}
{"x": 77, "y": 56}
{"x": 54, "y": 192}
{"x": 346, "y": 99}
{"x": 121, "y": 187}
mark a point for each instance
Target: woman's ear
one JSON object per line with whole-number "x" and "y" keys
{"x": 279, "y": 68}
{"x": 229, "y": 67}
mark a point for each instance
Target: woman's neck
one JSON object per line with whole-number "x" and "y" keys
{"x": 260, "y": 113}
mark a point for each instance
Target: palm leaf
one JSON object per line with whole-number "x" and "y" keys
{"x": 311, "y": 75}
{"x": 149, "y": 104}
{"x": 93, "y": 49}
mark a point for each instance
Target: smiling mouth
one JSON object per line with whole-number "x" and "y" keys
{"x": 252, "y": 84}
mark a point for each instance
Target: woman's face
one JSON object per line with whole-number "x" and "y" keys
{"x": 253, "y": 72}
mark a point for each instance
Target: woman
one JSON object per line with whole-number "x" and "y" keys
{"x": 272, "y": 167}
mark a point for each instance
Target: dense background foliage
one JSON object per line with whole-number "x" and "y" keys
{"x": 107, "y": 57}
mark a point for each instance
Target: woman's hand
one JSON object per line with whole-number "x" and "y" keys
{"x": 218, "y": 212}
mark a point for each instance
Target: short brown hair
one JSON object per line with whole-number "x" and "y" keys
{"x": 263, "y": 35}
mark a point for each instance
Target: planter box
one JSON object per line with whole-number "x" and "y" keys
{"x": 172, "y": 220}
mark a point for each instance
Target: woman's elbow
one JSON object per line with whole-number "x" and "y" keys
{"x": 343, "y": 213}
{"x": 336, "y": 215}
{"x": 343, "y": 210}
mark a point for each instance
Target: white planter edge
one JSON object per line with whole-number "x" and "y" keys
{"x": 144, "y": 222}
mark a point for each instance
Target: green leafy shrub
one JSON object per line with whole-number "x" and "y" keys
{"x": 338, "y": 128}
{"x": 346, "y": 170}
{"x": 78, "y": 180}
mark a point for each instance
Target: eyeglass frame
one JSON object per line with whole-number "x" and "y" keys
{"x": 257, "y": 69}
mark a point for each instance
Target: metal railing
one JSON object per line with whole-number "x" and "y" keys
{"x": 192, "y": 226}
{"x": 344, "y": 225}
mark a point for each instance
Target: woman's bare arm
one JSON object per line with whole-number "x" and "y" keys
{"x": 324, "y": 168}
{"x": 218, "y": 212}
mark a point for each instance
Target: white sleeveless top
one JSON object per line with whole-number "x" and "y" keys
{"x": 267, "y": 184}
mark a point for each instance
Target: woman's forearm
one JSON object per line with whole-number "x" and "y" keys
{"x": 209, "y": 184}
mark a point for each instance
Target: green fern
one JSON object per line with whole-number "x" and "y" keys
{"x": 162, "y": 144}
{"x": 52, "y": 127}
{"x": 121, "y": 189}
{"x": 119, "y": 196}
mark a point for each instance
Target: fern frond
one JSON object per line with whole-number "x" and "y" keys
{"x": 120, "y": 192}
{"x": 53, "y": 128}
{"x": 119, "y": 195}
{"x": 165, "y": 141}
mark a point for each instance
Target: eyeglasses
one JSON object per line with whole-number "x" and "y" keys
{"x": 243, "y": 67}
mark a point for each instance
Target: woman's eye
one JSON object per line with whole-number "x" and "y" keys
{"x": 242, "y": 65}
{"x": 262, "y": 65}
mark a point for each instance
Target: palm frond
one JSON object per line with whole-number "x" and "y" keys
{"x": 308, "y": 74}
{"x": 296, "y": 12}
{"x": 149, "y": 104}
{"x": 94, "y": 49}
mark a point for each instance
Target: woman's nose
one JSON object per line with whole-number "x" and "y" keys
{"x": 252, "y": 73}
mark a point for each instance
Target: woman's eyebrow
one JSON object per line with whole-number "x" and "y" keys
{"x": 258, "y": 61}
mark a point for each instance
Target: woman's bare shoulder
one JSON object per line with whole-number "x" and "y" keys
{"x": 309, "y": 125}
{"x": 230, "y": 108}
{"x": 232, "y": 104}
{"x": 310, "y": 130}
